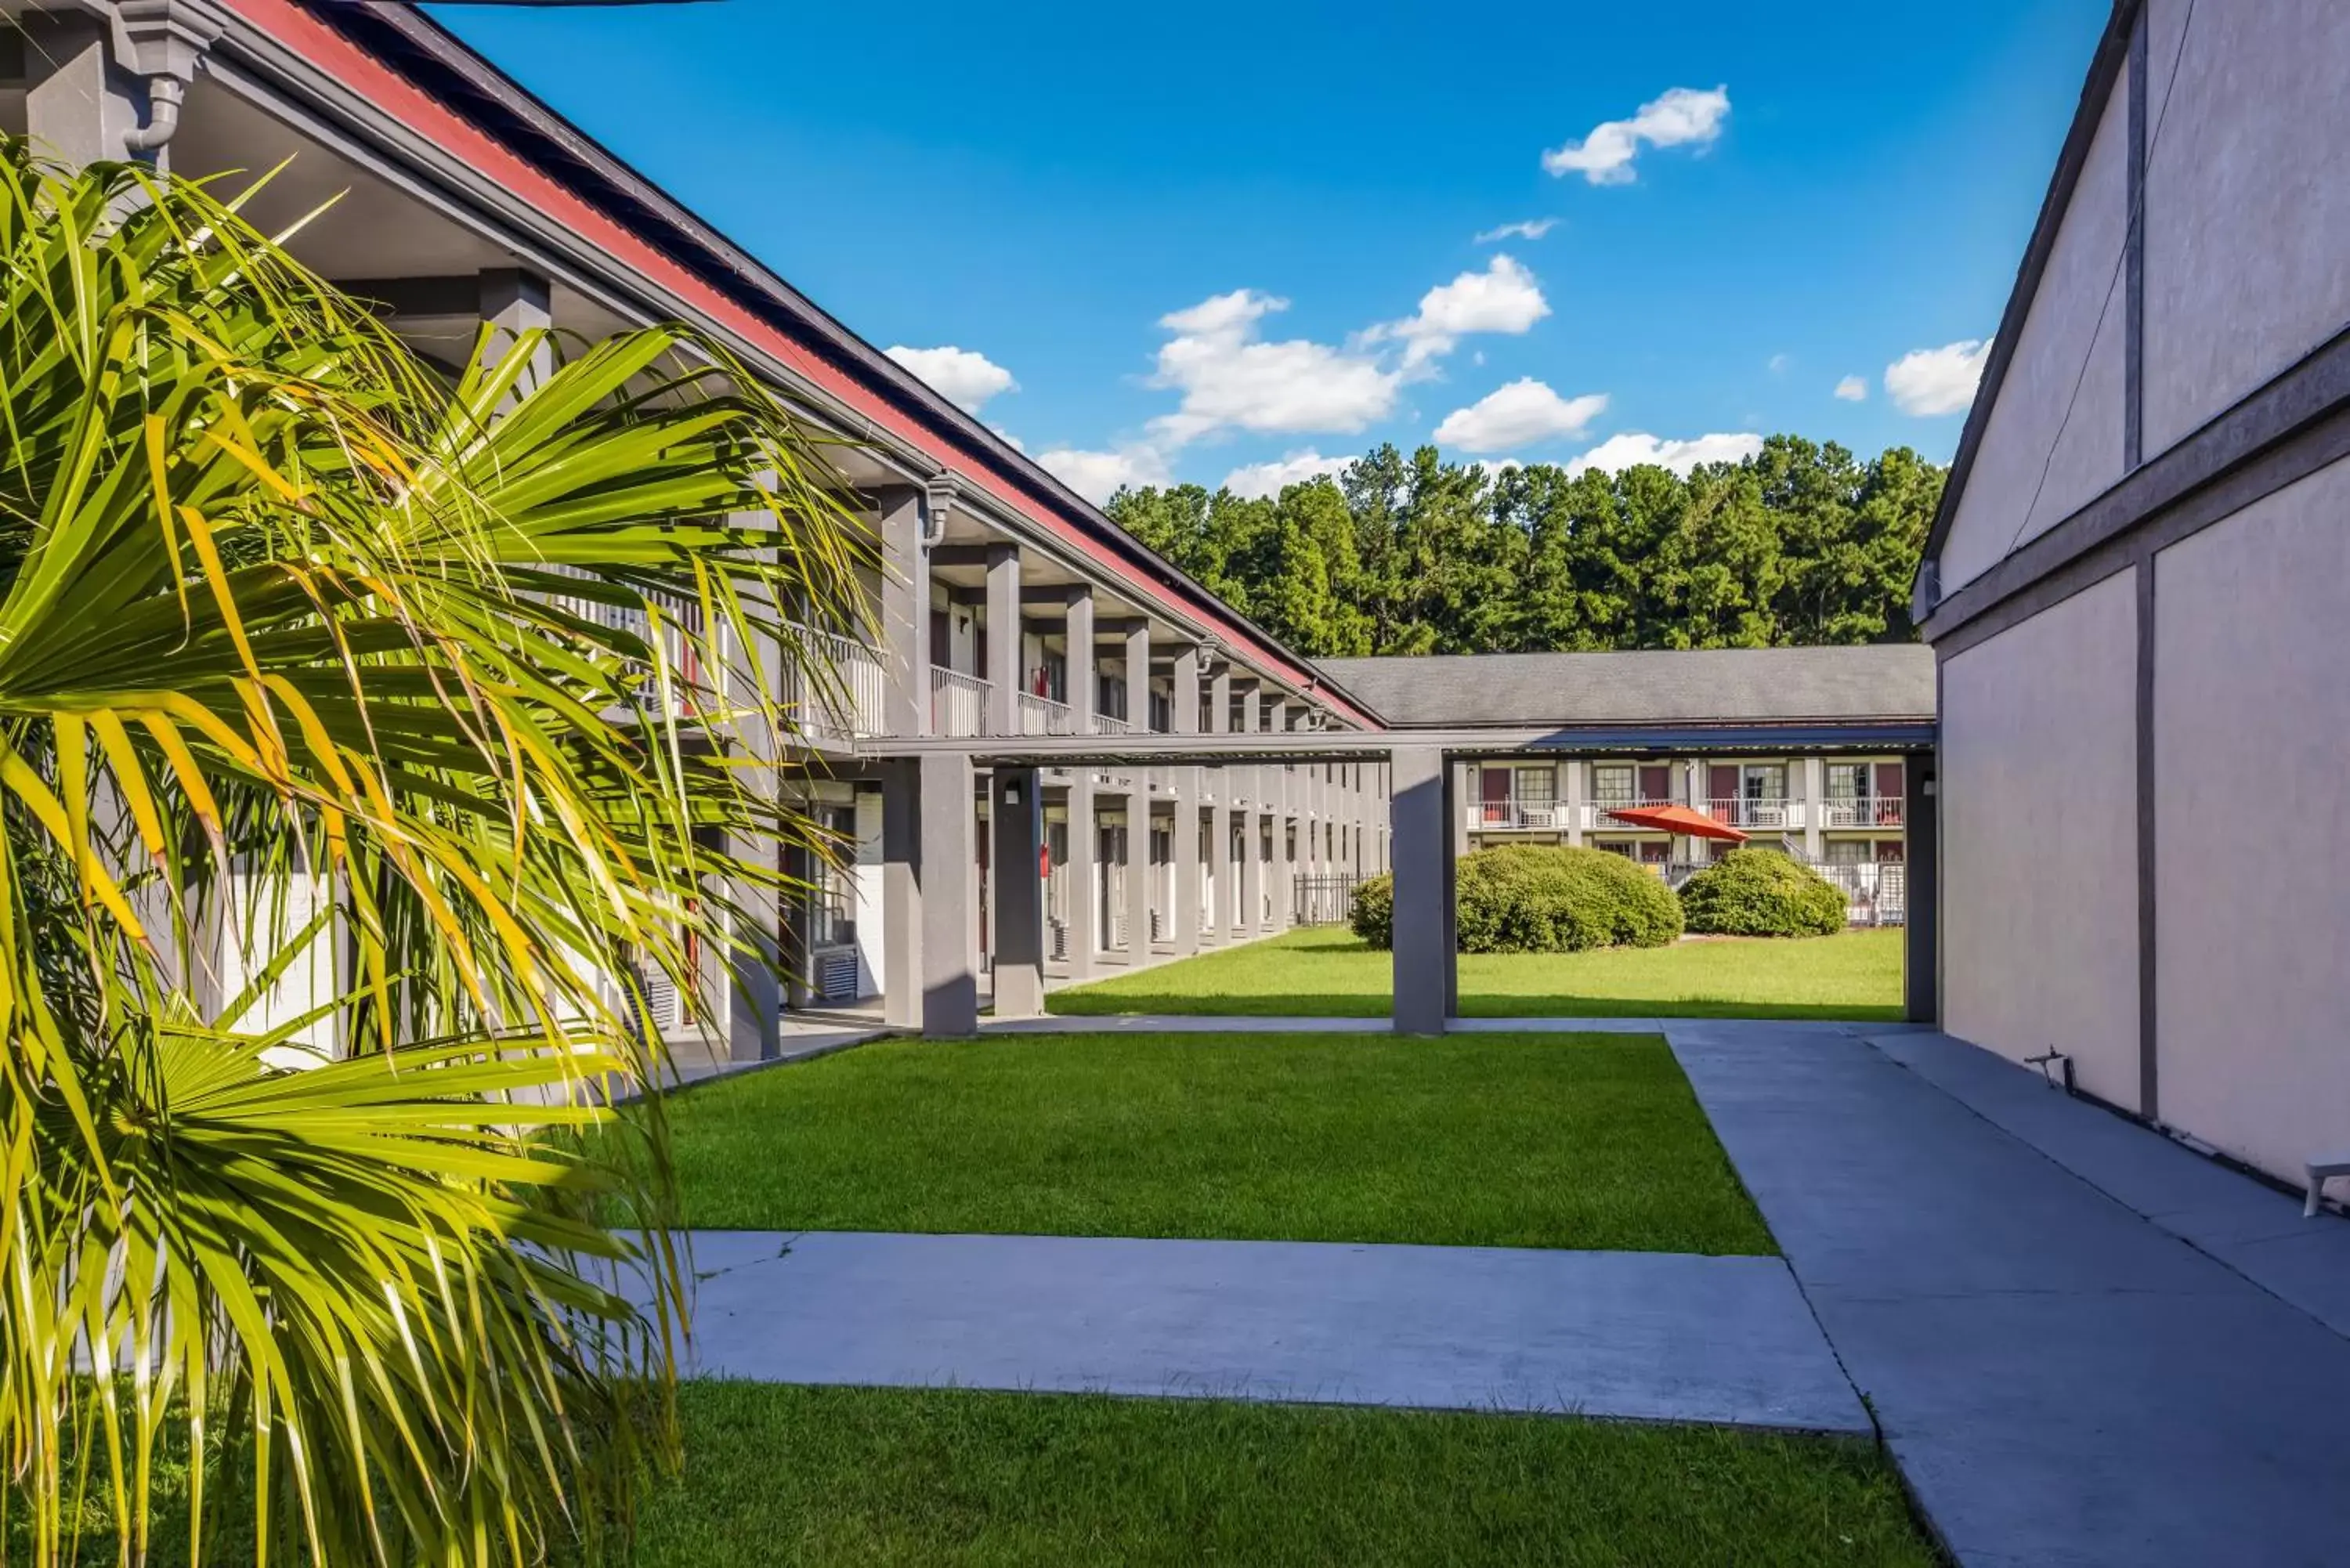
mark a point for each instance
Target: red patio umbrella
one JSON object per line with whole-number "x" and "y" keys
{"x": 1677, "y": 819}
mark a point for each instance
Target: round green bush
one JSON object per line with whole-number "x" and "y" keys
{"x": 1539, "y": 898}
{"x": 1761, "y": 893}
{"x": 1374, "y": 915}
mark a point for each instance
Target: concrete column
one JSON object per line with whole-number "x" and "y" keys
{"x": 1921, "y": 951}
{"x": 1085, "y": 669}
{"x": 1425, "y": 963}
{"x": 755, "y": 998}
{"x": 1574, "y": 790}
{"x": 1815, "y": 796}
{"x": 1137, "y": 874}
{"x": 902, "y": 973}
{"x": 1284, "y": 776}
{"x": 905, "y": 611}
{"x": 1187, "y": 790}
{"x": 1081, "y": 876}
{"x": 1253, "y": 793}
{"x": 950, "y": 912}
{"x": 1003, "y": 671}
{"x": 514, "y": 302}
{"x": 1137, "y": 676}
{"x": 1016, "y": 812}
{"x": 1460, "y": 784}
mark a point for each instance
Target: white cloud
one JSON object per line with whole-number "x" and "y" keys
{"x": 1529, "y": 229}
{"x": 1230, "y": 379}
{"x": 1520, "y": 414}
{"x": 1257, "y": 480}
{"x": 1097, "y": 475}
{"x": 963, "y": 377}
{"x": 1853, "y": 389}
{"x": 1778, "y": 364}
{"x": 1929, "y": 381}
{"x": 1504, "y": 297}
{"x": 1621, "y": 452}
{"x": 1683, "y": 115}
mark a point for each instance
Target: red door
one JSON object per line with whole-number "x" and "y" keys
{"x": 1656, "y": 783}
{"x": 1721, "y": 784}
{"x": 1890, "y": 786}
{"x": 1493, "y": 792}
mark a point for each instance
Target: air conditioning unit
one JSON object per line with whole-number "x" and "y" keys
{"x": 836, "y": 974}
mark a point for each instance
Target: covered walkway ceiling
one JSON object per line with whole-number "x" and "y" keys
{"x": 1333, "y": 746}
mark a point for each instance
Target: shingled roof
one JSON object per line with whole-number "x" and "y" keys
{"x": 1698, "y": 686}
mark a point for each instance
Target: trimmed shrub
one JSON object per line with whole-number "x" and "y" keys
{"x": 1761, "y": 893}
{"x": 1374, "y": 915}
{"x": 1540, "y": 899}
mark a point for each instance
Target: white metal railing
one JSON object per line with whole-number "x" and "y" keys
{"x": 958, "y": 704}
{"x": 1043, "y": 716}
{"x": 1104, "y": 724}
{"x": 1596, "y": 817}
{"x": 1512, "y": 814}
{"x": 1758, "y": 815}
{"x": 849, "y": 701}
{"x": 1874, "y": 892}
{"x": 1861, "y": 811}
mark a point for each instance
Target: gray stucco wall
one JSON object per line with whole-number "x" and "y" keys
{"x": 2071, "y": 337}
{"x": 2252, "y": 840}
{"x": 2247, "y": 207}
{"x": 2038, "y": 791}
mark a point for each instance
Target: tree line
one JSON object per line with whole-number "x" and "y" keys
{"x": 1801, "y": 544}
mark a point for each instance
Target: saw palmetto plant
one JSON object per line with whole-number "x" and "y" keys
{"x": 317, "y": 664}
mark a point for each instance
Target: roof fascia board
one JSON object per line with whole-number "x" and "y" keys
{"x": 274, "y": 61}
{"x": 2105, "y": 67}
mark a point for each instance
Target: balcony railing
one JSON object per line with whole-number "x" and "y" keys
{"x": 1043, "y": 716}
{"x": 1861, "y": 811}
{"x": 958, "y": 704}
{"x": 846, "y": 701}
{"x": 1105, "y": 724}
{"x": 1756, "y": 815}
{"x": 1514, "y": 815}
{"x": 1596, "y": 817}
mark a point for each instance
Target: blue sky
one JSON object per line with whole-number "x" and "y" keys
{"x": 1226, "y": 239}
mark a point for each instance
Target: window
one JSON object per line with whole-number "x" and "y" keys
{"x": 1847, "y": 852}
{"x": 1848, "y": 781}
{"x": 1537, "y": 787}
{"x": 1612, "y": 785}
{"x": 1765, "y": 781}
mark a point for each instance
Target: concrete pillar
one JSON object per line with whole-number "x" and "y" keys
{"x": 1461, "y": 786}
{"x": 1284, "y": 786}
{"x": 902, "y": 974}
{"x": 1426, "y": 966}
{"x": 515, "y": 301}
{"x": 1081, "y": 877}
{"x": 1574, "y": 790}
{"x": 1187, "y": 790}
{"x": 1003, "y": 671}
{"x": 755, "y": 998}
{"x": 1137, "y": 874}
{"x": 1085, "y": 669}
{"x": 1137, "y": 676}
{"x": 1816, "y": 810}
{"x": 948, "y": 864}
{"x": 1016, "y": 913}
{"x": 1921, "y": 895}
{"x": 905, "y": 611}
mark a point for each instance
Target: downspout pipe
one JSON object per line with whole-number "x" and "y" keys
{"x": 165, "y": 94}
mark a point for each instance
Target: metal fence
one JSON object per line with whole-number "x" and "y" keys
{"x": 1322, "y": 900}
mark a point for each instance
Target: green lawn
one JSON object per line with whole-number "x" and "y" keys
{"x": 1327, "y": 972}
{"x": 783, "y": 1475}
{"x": 1535, "y": 1140}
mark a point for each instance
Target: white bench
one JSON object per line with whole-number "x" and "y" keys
{"x": 2319, "y": 1171}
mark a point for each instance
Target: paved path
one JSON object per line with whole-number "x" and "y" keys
{"x": 1653, "y": 1336}
{"x": 1200, "y": 1024}
{"x": 2063, "y": 1380}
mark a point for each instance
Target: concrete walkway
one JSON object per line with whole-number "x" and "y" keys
{"x": 1653, "y": 1336}
{"x": 2062, "y": 1358}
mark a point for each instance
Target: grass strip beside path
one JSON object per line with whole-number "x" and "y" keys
{"x": 1506, "y": 1140}
{"x": 787, "y": 1476}
{"x": 1327, "y": 972}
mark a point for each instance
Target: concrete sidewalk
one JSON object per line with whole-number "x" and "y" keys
{"x": 2062, "y": 1379}
{"x": 1653, "y": 1336}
